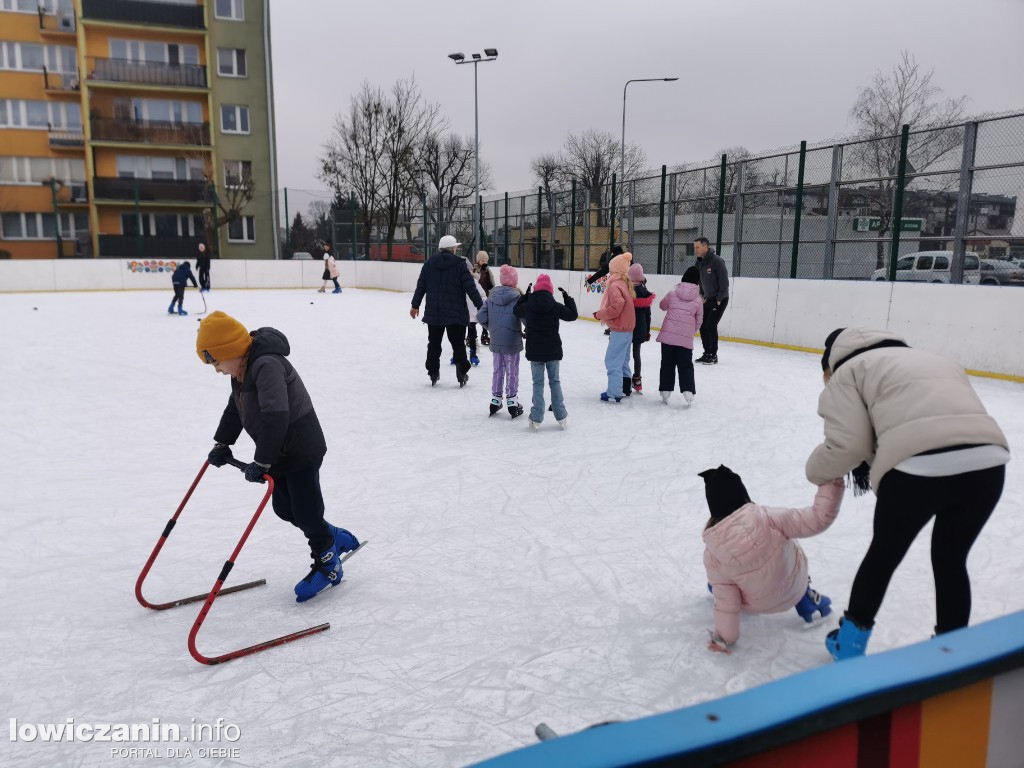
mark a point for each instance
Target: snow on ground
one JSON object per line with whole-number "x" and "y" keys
{"x": 512, "y": 577}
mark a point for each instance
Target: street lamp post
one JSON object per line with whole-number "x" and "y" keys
{"x": 622, "y": 150}
{"x": 460, "y": 58}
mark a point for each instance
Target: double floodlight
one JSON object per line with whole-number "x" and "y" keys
{"x": 460, "y": 58}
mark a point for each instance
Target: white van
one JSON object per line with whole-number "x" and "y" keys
{"x": 933, "y": 267}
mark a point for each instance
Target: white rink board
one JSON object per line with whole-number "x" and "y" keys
{"x": 981, "y": 326}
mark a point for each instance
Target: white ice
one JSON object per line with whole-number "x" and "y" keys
{"x": 512, "y": 577}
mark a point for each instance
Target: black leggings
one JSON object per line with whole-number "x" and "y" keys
{"x": 961, "y": 505}
{"x": 179, "y": 294}
{"x": 636, "y": 357}
{"x": 471, "y": 337}
{"x": 675, "y": 359}
{"x": 298, "y": 500}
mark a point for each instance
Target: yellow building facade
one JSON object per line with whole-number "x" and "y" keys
{"x": 126, "y": 121}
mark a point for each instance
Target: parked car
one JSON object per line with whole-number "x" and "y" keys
{"x": 399, "y": 252}
{"x": 934, "y": 267}
{"x": 303, "y": 255}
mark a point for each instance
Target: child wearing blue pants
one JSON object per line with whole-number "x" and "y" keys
{"x": 618, "y": 314}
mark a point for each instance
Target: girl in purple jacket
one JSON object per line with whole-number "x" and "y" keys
{"x": 684, "y": 312}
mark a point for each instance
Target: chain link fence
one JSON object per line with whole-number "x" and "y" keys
{"x": 931, "y": 205}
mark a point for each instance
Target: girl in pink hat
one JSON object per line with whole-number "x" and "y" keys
{"x": 618, "y": 314}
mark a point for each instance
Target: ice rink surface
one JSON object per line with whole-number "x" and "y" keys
{"x": 513, "y": 577}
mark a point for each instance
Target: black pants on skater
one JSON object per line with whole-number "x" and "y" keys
{"x": 298, "y": 500}
{"x": 204, "y": 278}
{"x": 636, "y": 358}
{"x": 675, "y": 359}
{"x": 457, "y": 338}
{"x": 179, "y": 294}
{"x": 713, "y": 312}
{"x": 961, "y": 505}
{"x": 471, "y": 337}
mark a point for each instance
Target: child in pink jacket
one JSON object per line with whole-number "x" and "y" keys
{"x": 618, "y": 314}
{"x": 684, "y": 312}
{"x": 752, "y": 562}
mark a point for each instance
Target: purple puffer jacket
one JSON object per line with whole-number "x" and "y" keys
{"x": 684, "y": 312}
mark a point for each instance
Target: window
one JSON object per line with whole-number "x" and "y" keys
{"x": 234, "y": 118}
{"x": 230, "y": 9}
{"x": 906, "y": 262}
{"x": 35, "y": 170}
{"x": 142, "y": 51}
{"x": 925, "y": 262}
{"x": 231, "y": 62}
{"x": 166, "y": 111}
{"x": 28, "y": 6}
{"x": 941, "y": 262}
{"x": 40, "y": 226}
{"x": 162, "y": 225}
{"x": 30, "y": 57}
{"x": 242, "y": 230}
{"x": 237, "y": 171}
{"x": 970, "y": 261}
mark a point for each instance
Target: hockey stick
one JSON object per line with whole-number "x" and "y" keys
{"x": 216, "y": 590}
{"x": 203, "y": 297}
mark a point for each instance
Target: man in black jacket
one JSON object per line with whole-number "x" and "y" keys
{"x": 203, "y": 265}
{"x": 445, "y": 281}
{"x": 714, "y": 288}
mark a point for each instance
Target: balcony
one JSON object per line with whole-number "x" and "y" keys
{"x": 58, "y": 84}
{"x": 143, "y": 12}
{"x": 150, "y": 131}
{"x": 146, "y": 73}
{"x": 67, "y": 139}
{"x": 141, "y": 246}
{"x": 149, "y": 190}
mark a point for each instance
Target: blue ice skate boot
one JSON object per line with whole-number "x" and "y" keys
{"x": 813, "y": 601}
{"x": 473, "y": 359}
{"x": 345, "y": 540}
{"x": 182, "y": 311}
{"x": 605, "y": 397}
{"x": 323, "y": 574}
{"x": 849, "y": 641}
{"x": 170, "y": 309}
{"x": 336, "y": 290}
{"x": 452, "y": 361}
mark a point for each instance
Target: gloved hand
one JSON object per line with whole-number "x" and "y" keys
{"x": 565, "y": 294}
{"x": 254, "y": 472}
{"x": 529, "y": 289}
{"x": 220, "y": 455}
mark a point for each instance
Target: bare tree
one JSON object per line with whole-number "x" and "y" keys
{"x": 445, "y": 176}
{"x": 549, "y": 173}
{"x": 906, "y": 95}
{"x": 320, "y": 220}
{"x": 353, "y": 158}
{"x": 408, "y": 121}
{"x": 592, "y": 157}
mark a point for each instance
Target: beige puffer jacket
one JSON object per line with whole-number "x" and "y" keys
{"x": 886, "y": 405}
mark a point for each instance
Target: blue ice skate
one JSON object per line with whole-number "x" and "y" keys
{"x": 326, "y": 569}
{"x": 182, "y": 311}
{"x": 605, "y": 397}
{"x": 849, "y": 641}
{"x": 170, "y": 309}
{"x": 473, "y": 359}
{"x": 813, "y": 601}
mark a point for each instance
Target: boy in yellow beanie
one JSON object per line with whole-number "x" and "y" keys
{"x": 269, "y": 401}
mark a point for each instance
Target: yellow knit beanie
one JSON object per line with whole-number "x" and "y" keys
{"x": 221, "y": 338}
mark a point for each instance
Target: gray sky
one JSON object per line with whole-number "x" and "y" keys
{"x": 758, "y": 73}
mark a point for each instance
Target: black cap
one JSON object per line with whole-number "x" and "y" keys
{"x": 724, "y": 490}
{"x": 691, "y": 275}
{"x": 617, "y": 250}
{"x": 828, "y": 347}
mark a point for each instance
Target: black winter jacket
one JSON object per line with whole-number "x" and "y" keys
{"x": 642, "y": 329}
{"x": 272, "y": 405}
{"x": 714, "y": 276}
{"x": 183, "y": 274}
{"x": 541, "y": 313}
{"x": 203, "y": 260}
{"x": 445, "y": 280}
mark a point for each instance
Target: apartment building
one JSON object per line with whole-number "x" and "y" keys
{"x": 136, "y": 129}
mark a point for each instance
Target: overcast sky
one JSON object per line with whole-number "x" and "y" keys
{"x": 757, "y": 73}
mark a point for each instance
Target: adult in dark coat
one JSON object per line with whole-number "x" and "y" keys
{"x": 203, "y": 265}
{"x": 714, "y": 288}
{"x": 182, "y": 275}
{"x": 445, "y": 281}
{"x": 606, "y": 257}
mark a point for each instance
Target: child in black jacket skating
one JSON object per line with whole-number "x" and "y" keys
{"x": 642, "y": 330}
{"x": 269, "y": 401}
{"x": 179, "y": 280}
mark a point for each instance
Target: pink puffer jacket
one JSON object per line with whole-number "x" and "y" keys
{"x": 752, "y": 563}
{"x": 684, "y": 312}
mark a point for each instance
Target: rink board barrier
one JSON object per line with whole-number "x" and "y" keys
{"x": 951, "y": 702}
{"x": 980, "y": 326}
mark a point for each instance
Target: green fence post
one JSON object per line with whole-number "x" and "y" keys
{"x": 540, "y": 228}
{"x": 56, "y": 218}
{"x": 572, "y": 229}
{"x": 611, "y": 219}
{"x": 287, "y": 228}
{"x": 138, "y": 224}
{"x": 508, "y": 259}
{"x": 661, "y": 217}
{"x": 721, "y": 204}
{"x": 897, "y": 207}
{"x": 425, "y": 233}
{"x": 355, "y": 234}
{"x": 799, "y": 208}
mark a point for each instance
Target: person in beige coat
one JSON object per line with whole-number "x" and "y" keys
{"x": 914, "y": 419}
